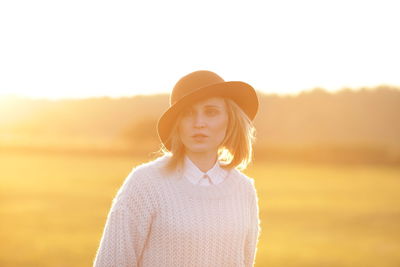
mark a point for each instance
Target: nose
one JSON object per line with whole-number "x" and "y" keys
{"x": 199, "y": 121}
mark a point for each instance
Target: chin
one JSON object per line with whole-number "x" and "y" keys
{"x": 199, "y": 148}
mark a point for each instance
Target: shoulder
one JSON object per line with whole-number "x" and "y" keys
{"x": 150, "y": 168}
{"x": 249, "y": 181}
{"x": 140, "y": 186}
{"x": 246, "y": 181}
{"x": 142, "y": 178}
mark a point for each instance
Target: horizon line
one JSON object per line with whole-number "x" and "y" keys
{"x": 285, "y": 94}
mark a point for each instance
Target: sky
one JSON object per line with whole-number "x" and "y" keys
{"x": 78, "y": 49}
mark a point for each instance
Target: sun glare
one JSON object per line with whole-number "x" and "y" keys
{"x": 281, "y": 47}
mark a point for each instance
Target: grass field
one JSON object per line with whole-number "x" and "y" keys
{"x": 53, "y": 208}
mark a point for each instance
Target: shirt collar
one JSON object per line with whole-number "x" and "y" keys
{"x": 195, "y": 175}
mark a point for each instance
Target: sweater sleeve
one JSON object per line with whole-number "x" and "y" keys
{"x": 253, "y": 230}
{"x": 127, "y": 226}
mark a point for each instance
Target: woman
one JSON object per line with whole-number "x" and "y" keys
{"x": 191, "y": 206}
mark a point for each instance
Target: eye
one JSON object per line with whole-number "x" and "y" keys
{"x": 187, "y": 112}
{"x": 211, "y": 112}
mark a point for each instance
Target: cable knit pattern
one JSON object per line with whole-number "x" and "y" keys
{"x": 159, "y": 219}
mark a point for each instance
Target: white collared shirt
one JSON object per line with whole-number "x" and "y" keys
{"x": 213, "y": 176}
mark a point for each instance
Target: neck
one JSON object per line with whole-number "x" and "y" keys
{"x": 203, "y": 161}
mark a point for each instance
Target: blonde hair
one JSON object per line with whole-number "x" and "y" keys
{"x": 236, "y": 150}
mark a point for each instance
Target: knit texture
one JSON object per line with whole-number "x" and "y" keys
{"x": 161, "y": 219}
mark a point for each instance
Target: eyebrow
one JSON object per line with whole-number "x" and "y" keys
{"x": 212, "y": 106}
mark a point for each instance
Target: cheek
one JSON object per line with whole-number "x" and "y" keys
{"x": 182, "y": 129}
{"x": 220, "y": 128}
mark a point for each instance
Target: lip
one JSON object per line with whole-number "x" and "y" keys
{"x": 199, "y": 135}
{"x": 199, "y": 138}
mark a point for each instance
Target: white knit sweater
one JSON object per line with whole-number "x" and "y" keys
{"x": 160, "y": 219}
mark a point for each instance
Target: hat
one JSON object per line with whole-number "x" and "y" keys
{"x": 200, "y": 85}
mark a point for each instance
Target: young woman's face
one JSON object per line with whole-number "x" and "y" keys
{"x": 203, "y": 126}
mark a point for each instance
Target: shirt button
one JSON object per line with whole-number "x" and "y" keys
{"x": 208, "y": 178}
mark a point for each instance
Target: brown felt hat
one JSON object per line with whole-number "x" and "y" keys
{"x": 200, "y": 85}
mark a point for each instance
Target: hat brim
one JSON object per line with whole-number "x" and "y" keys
{"x": 242, "y": 93}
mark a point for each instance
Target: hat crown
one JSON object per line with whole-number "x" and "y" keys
{"x": 192, "y": 82}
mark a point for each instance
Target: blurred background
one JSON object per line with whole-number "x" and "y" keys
{"x": 83, "y": 83}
